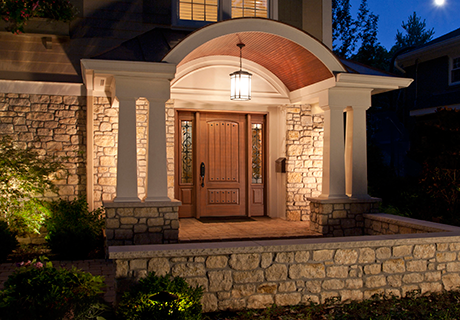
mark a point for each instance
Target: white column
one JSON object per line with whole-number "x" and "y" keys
{"x": 359, "y": 157}
{"x": 333, "y": 185}
{"x": 349, "y": 151}
{"x": 157, "y": 179}
{"x": 127, "y": 151}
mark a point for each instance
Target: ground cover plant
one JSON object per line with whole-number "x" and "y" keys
{"x": 74, "y": 231}
{"x": 161, "y": 298}
{"x": 37, "y": 290}
{"x": 443, "y": 305}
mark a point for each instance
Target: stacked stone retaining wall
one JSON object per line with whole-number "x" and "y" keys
{"x": 381, "y": 223}
{"x": 256, "y": 274}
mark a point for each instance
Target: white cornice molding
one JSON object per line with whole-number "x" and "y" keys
{"x": 42, "y": 87}
{"x": 352, "y": 81}
{"x": 379, "y": 83}
{"x": 129, "y": 68}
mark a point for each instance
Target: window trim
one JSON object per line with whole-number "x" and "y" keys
{"x": 451, "y": 68}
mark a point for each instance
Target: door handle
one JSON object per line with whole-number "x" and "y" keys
{"x": 202, "y": 173}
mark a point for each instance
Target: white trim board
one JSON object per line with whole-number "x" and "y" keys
{"x": 40, "y": 87}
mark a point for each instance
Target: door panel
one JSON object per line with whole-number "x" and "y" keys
{"x": 232, "y": 148}
{"x": 222, "y": 150}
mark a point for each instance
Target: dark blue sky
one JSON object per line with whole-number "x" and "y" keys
{"x": 393, "y": 12}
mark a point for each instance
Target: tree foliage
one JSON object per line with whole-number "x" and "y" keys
{"x": 343, "y": 28}
{"x": 371, "y": 52}
{"x": 415, "y": 33}
{"x": 25, "y": 177}
{"x": 356, "y": 39}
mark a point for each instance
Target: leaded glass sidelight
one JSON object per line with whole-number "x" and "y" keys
{"x": 257, "y": 149}
{"x": 186, "y": 151}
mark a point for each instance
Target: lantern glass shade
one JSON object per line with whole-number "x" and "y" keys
{"x": 240, "y": 85}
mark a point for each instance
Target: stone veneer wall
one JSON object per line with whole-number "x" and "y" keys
{"x": 287, "y": 272}
{"x": 304, "y": 154}
{"x": 170, "y": 127}
{"x": 105, "y": 134}
{"x": 106, "y": 144}
{"x": 53, "y": 126}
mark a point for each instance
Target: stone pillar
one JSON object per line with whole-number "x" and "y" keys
{"x": 127, "y": 150}
{"x": 333, "y": 183}
{"x": 341, "y": 217}
{"x": 131, "y": 223}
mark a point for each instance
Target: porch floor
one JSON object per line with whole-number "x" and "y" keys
{"x": 193, "y": 230}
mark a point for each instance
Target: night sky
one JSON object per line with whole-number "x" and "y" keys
{"x": 392, "y": 13}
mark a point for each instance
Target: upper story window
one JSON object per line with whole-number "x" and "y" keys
{"x": 196, "y": 13}
{"x": 455, "y": 71}
{"x": 198, "y": 10}
{"x": 249, "y": 8}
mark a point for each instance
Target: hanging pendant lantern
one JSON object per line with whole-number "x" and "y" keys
{"x": 240, "y": 82}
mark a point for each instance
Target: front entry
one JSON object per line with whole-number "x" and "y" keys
{"x": 220, "y": 164}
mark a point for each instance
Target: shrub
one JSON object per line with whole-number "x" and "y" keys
{"x": 161, "y": 298}
{"x": 25, "y": 177}
{"x": 18, "y": 12}
{"x": 37, "y": 290}
{"x": 7, "y": 239}
{"x": 73, "y": 231}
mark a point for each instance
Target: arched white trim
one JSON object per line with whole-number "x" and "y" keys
{"x": 196, "y": 39}
{"x": 274, "y": 91}
{"x": 251, "y": 66}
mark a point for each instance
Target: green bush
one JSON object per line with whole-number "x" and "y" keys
{"x": 161, "y": 298}
{"x": 7, "y": 239}
{"x": 25, "y": 177}
{"x": 73, "y": 231}
{"x": 37, "y": 290}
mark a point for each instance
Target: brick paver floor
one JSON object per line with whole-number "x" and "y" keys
{"x": 192, "y": 230}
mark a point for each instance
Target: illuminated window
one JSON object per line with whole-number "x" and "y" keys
{"x": 198, "y": 13}
{"x": 455, "y": 71}
{"x": 198, "y": 10}
{"x": 249, "y": 8}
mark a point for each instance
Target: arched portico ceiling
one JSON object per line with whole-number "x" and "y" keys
{"x": 294, "y": 56}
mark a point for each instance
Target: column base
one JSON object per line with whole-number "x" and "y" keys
{"x": 139, "y": 223}
{"x": 341, "y": 217}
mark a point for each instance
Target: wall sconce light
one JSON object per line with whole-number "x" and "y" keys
{"x": 240, "y": 82}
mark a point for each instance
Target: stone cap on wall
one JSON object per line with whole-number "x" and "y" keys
{"x": 146, "y": 204}
{"x": 344, "y": 200}
{"x": 411, "y": 223}
{"x": 287, "y": 245}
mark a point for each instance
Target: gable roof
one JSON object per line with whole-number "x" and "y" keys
{"x": 438, "y": 47}
{"x": 151, "y": 46}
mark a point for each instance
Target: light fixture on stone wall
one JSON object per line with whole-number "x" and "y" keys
{"x": 240, "y": 81}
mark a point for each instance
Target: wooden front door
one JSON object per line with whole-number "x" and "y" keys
{"x": 218, "y": 173}
{"x": 222, "y": 154}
